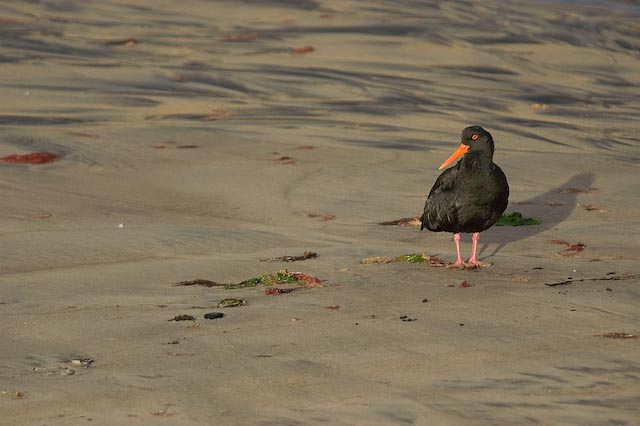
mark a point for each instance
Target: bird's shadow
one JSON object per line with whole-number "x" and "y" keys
{"x": 550, "y": 208}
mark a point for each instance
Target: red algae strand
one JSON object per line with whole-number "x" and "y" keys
{"x": 302, "y": 50}
{"x": 31, "y": 158}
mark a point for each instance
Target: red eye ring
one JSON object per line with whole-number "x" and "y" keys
{"x": 474, "y": 137}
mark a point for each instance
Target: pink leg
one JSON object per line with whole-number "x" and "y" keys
{"x": 456, "y": 238}
{"x": 472, "y": 259}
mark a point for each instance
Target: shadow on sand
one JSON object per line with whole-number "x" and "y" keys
{"x": 550, "y": 208}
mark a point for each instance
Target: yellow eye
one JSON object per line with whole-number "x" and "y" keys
{"x": 474, "y": 137}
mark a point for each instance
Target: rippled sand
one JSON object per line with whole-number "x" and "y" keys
{"x": 200, "y": 137}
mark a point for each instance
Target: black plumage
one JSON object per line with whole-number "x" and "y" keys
{"x": 471, "y": 196}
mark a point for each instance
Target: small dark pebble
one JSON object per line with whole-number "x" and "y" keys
{"x": 357, "y": 324}
{"x": 175, "y": 342}
{"x": 611, "y": 273}
{"x": 406, "y": 318}
{"x": 213, "y": 315}
{"x": 609, "y": 289}
{"x": 538, "y": 268}
{"x": 573, "y": 310}
{"x": 461, "y": 324}
{"x": 425, "y": 300}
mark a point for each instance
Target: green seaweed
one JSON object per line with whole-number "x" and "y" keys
{"x": 280, "y": 277}
{"x": 283, "y": 278}
{"x": 516, "y": 219}
{"x": 231, "y": 302}
{"x": 251, "y": 282}
{"x": 412, "y": 258}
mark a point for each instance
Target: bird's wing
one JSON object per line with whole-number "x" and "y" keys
{"x": 445, "y": 181}
{"x": 503, "y": 199}
{"x": 440, "y": 210}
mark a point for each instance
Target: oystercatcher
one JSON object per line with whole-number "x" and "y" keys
{"x": 469, "y": 197}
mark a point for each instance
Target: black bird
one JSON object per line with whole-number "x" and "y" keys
{"x": 469, "y": 197}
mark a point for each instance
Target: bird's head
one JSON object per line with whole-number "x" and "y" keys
{"x": 474, "y": 139}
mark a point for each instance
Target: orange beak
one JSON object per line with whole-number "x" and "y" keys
{"x": 462, "y": 150}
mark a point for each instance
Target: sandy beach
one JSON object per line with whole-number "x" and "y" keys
{"x": 197, "y": 140}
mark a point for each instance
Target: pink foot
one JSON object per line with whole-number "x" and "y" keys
{"x": 459, "y": 262}
{"x": 473, "y": 260}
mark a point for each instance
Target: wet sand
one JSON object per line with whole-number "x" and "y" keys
{"x": 198, "y": 138}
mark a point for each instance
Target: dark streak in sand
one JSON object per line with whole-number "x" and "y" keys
{"x": 607, "y": 278}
